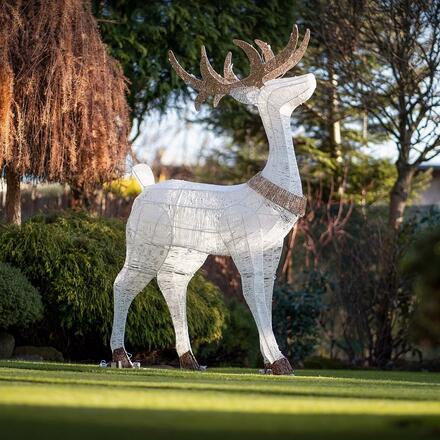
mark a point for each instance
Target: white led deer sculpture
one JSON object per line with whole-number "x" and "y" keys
{"x": 175, "y": 225}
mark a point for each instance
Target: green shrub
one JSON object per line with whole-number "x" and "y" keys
{"x": 295, "y": 319}
{"x": 46, "y": 353}
{"x": 323, "y": 363}
{"x": 422, "y": 262}
{"x": 295, "y": 322}
{"x": 149, "y": 322}
{"x": 73, "y": 259}
{"x": 20, "y": 302}
{"x": 372, "y": 301}
{"x": 239, "y": 345}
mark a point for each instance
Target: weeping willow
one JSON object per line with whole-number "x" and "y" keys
{"x": 63, "y": 111}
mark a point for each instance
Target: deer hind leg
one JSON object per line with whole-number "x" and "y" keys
{"x": 127, "y": 285}
{"x": 140, "y": 268}
{"x": 173, "y": 278}
{"x": 142, "y": 262}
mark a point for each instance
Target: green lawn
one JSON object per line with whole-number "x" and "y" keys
{"x": 68, "y": 401}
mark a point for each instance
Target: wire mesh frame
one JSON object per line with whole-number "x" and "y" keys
{"x": 175, "y": 225}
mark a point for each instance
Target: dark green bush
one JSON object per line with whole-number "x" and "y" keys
{"x": 295, "y": 322}
{"x": 295, "y": 319}
{"x": 323, "y": 363}
{"x": 149, "y": 322}
{"x": 239, "y": 345}
{"x": 372, "y": 301}
{"x": 422, "y": 262}
{"x": 20, "y": 302}
{"x": 46, "y": 353}
{"x": 73, "y": 259}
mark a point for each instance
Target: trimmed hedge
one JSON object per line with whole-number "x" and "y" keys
{"x": 73, "y": 259}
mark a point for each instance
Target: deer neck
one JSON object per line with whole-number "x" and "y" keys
{"x": 281, "y": 167}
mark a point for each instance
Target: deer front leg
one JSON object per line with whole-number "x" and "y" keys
{"x": 271, "y": 259}
{"x": 244, "y": 239}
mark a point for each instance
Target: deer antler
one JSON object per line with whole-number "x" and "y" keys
{"x": 261, "y": 69}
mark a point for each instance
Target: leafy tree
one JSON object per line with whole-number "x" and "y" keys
{"x": 139, "y": 34}
{"x": 391, "y": 72}
{"x": 63, "y": 113}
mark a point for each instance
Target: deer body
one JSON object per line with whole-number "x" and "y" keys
{"x": 196, "y": 215}
{"x": 175, "y": 225}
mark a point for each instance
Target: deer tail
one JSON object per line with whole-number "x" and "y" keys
{"x": 143, "y": 174}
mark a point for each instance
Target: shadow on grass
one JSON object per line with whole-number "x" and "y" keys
{"x": 24, "y": 422}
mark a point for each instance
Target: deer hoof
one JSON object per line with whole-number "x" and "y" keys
{"x": 189, "y": 362}
{"x": 281, "y": 367}
{"x": 120, "y": 355}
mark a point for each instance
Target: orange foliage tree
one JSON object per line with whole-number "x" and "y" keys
{"x": 63, "y": 110}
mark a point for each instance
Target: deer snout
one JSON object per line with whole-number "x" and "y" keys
{"x": 285, "y": 94}
{"x": 301, "y": 85}
{"x": 300, "y": 92}
{"x": 309, "y": 82}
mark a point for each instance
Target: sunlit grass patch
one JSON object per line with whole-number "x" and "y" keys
{"x": 81, "y": 400}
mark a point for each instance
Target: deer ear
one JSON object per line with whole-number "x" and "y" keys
{"x": 246, "y": 95}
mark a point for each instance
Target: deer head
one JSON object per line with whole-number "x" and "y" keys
{"x": 263, "y": 86}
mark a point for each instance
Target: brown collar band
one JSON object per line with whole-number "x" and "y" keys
{"x": 281, "y": 197}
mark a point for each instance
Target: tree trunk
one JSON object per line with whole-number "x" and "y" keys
{"x": 13, "y": 201}
{"x": 399, "y": 196}
{"x": 81, "y": 197}
{"x": 383, "y": 348}
{"x": 334, "y": 127}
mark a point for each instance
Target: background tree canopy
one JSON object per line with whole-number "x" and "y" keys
{"x": 139, "y": 34}
{"x": 352, "y": 41}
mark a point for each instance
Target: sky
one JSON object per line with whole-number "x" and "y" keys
{"x": 181, "y": 142}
